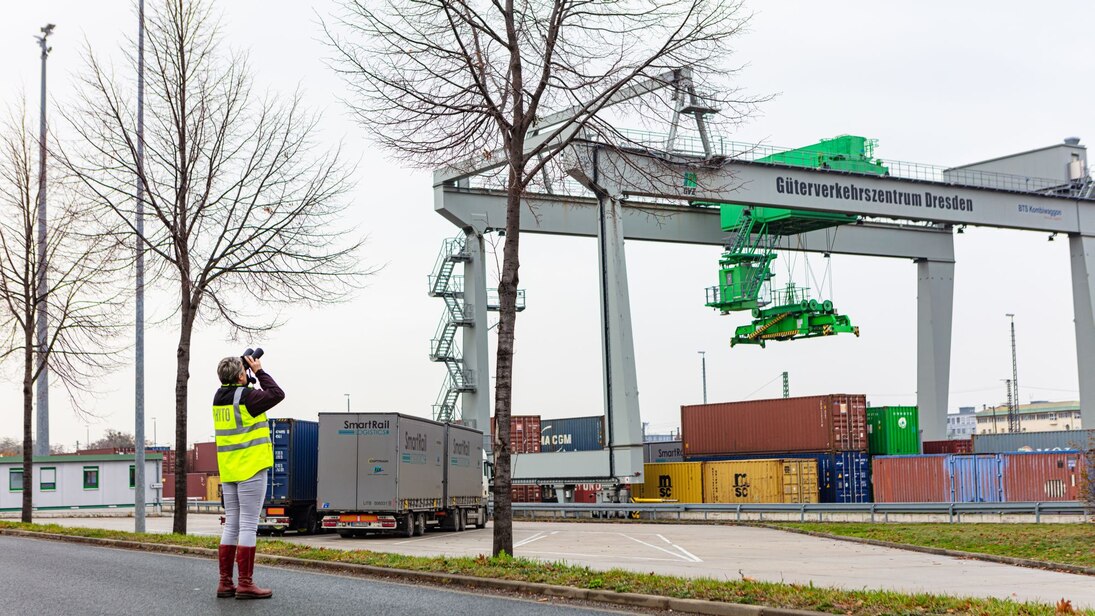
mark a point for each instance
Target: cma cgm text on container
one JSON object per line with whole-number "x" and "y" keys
{"x": 836, "y": 422}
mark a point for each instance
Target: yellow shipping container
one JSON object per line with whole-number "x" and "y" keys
{"x": 672, "y": 481}
{"x": 760, "y": 481}
{"x": 213, "y": 488}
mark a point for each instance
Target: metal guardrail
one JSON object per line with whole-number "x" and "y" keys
{"x": 196, "y": 506}
{"x": 954, "y": 511}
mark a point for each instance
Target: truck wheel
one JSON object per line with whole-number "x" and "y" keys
{"x": 461, "y": 519}
{"x": 311, "y": 522}
{"x": 346, "y": 534}
{"x": 408, "y": 525}
{"x": 420, "y": 524}
{"x": 481, "y": 518}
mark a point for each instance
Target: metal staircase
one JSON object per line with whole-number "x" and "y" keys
{"x": 444, "y": 283}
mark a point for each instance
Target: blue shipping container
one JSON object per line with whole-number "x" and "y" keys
{"x": 976, "y": 478}
{"x": 572, "y": 434}
{"x": 842, "y": 477}
{"x": 296, "y": 460}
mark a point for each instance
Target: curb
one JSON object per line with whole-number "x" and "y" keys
{"x": 690, "y": 606}
{"x": 992, "y": 558}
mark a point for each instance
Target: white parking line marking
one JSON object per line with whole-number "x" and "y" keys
{"x": 536, "y": 537}
{"x": 694, "y": 558}
{"x": 689, "y": 558}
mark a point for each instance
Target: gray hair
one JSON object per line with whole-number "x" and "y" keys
{"x": 229, "y": 370}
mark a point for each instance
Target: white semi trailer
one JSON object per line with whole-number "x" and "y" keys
{"x": 393, "y": 473}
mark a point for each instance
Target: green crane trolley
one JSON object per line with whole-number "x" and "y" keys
{"x": 745, "y": 268}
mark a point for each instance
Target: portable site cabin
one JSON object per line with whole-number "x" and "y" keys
{"x": 78, "y": 482}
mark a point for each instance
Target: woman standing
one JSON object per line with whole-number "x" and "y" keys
{"x": 244, "y": 453}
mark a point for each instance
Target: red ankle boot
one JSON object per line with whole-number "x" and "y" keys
{"x": 227, "y": 555}
{"x": 245, "y": 560}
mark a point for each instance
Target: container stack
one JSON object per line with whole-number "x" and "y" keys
{"x": 830, "y": 431}
{"x": 979, "y": 478}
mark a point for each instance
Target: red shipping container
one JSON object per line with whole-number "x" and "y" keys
{"x": 911, "y": 479}
{"x": 961, "y": 446}
{"x": 524, "y": 433}
{"x": 195, "y": 485}
{"x": 203, "y": 458}
{"x": 1052, "y": 476}
{"x": 525, "y": 494}
{"x": 586, "y": 492}
{"x": 832, "y": 423}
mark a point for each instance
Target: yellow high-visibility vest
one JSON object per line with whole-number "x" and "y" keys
{"x": 243, "y": 442}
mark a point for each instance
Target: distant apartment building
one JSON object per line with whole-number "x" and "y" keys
{"x": 962, "y": 424}
{"x": 1034, "y": 417}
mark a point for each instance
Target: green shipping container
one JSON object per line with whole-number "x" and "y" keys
{"x": 893, "y": 430}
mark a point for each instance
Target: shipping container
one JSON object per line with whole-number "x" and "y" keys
{"x": 521, "y": 493}
{"x": 213, "y": 488}
{"x": 680, "y": 482}
{"x": 572, "y": 434}
{"x": 911, "y": 479}
{"x": 939, "y": 478}
{"x": 964, "y": 445}
{"x": 976, "y": 478}
{"x": 196, "y": 486}
{"x": 386, "y": 472}
{"x": 203, "y": 458}
{"x": 1062, "y": 440}
{"x": 829, "y": 423}
{"x": 842, "y": 477}
{"x": 524, "y": 433}
{"x": 587, "y": 493}
{"x": 669, "y": 451}
{"x": 760, "y": 481}
{"x": 1057, "y": 476}
{"x": 893, "y": 430}
{"x": 291, "y": 483}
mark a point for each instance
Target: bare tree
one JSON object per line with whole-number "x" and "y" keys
{"x": 80, "y": 305}
{"x": 114, "y": 439}
{"x": 460, "y": 83}
{"x": 245, "y": 214}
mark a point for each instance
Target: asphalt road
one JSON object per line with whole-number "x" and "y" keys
{"x": 47, "y": 577}
{"x": 720, "y": 552}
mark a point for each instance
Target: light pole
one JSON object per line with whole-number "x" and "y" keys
{"x": 703, "y": 369}
{"x": 42, "y": 393}
{"x": 347, "y": 402}
{"x": 138, "y": 474}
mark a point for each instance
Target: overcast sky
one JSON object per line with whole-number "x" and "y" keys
{"x": 935, "y": 81}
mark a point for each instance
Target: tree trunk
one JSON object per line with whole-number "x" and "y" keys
{"x": 28, "y": 417}
{"x": 188, "y": 312}
{"x": 503, "y": 392}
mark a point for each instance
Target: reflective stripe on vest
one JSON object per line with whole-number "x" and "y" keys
{"x": 243, "y": 442}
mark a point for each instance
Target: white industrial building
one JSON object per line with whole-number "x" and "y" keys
{"x": 962, "y": 424}
{"x": 78, "y": 482}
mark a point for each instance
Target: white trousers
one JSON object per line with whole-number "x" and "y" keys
{"x": 242, "y": 506}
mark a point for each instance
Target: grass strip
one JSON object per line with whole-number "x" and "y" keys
{"x": 1067, "y": 544}
{"x": 743, "y": 591}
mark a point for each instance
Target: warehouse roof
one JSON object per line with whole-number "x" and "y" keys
{"x": 1037, "y": 407}
{"x": 81, "y": 458}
